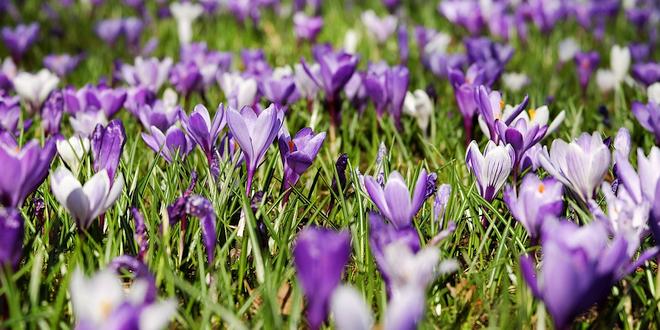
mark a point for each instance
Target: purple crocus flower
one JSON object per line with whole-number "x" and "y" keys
{"x": 336, "y": 69}
{"x": 93, "y": 99}
{"x": 254, "y": 133}
{"x": 536, "y": 200}
{"x": 639, "y": 52}
{"x": 387, "y": 88}
{"x": 491, "y": 169}
{"x": 186, "y": 78}
{"x": 580, "y": 266}
{"x": 141, "y": 236}
{"x": 161, "y": 114}
{"x": 150, "y": 73}
{"x": 62, "y": 64}
{"x": 210, "y": 63}
{"x": 51, "y": 113}
{"x": 380, "y": 28}
{"x": 107, "y": 146}
{"x": 646, "y": 73}
{"x": 109, "y": 30}
{"x": 202, "y": 208}
{"x": 545, "y": 13}
{"x": 320, "y": 256}
{"x": 24, "y": 168}
{"x": 382, "y": 234}
{"x": 580, "y": 165}
{"x": 491, "y": 56}
{"x": 204, "y": 131}
{"x": 255, "y": 62}
{"x": 8, "y": 71}
{"x": 491, "y": 108}
{"x": 10, "y": 112}
{"x": 306, "y": 27}
{"x": 278, "y": 90}
{"x": 174, "y": 141}
{"x": 19, "y": 39}
{"x": 403, "y": 43}
{"x": 465, "y": 90}
{"x": 298, "y": 153}
{"x": 586, "y": 63}
{"x": 394, "y": 200}
{"x": 11, "y": 237}
{"x": 464, "y": 13}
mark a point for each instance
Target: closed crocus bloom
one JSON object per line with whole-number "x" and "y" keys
{"x": 186, "y": 78}
{"x": 620, "y": 61}
{"x": 648, "y": 116}
{"x": 254, "y": 134}
{"x": 150, "y": 73}
{"x": 580, "y": 165}
{"x": 19, "y": 39}
{"x": 10, "y": 113}
{"x": 23, "y": 168}
{"x": 185, "y": 13}
{"x": 73, "y": 151}
{"x": 319, "y": 256}
{"x": 104, "y": 302}
{"x": 305, "y": 86}
{"x": 491, "y": 169}
{"x": 586, "y": 63}
{"x": 107, "y": 146}
{"x": 380, "y": 28}
{"x": 298, "y": 153}
{"x": 394, "y": 200}
{"x": 51, "y": 114}
{"x": 535, "y": 201}
{"x": 306, "y": 27}
{"x": 278, "y": 90}
{"x": 34, "y": 88}
{"x": 11, "y": 236}
{"x": 419, "y": 105}
{"x": 109, "y": 30}
{"x": 168, "y": 144}
{"x": 240, "y": 91}
{"x": 93, "y": 99}
{"x": 580, "y": 265}
{"x": 568, "y": 48}
{"x": 515, "y": 81}
{"x": 463, "y": 13}
{"x": 653, "y": 93}
{"x": 85, "y": 202}
{"x": 465, "y": 90}
{"x": 204, "y": 131}
{"x": 335, "y": 71}
{"x": 349, "y": 310}
{"x": 8, "y": 71}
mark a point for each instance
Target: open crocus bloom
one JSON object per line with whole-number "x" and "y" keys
{"x": 168, "y": 144}
{"x": 394, "y": 200}
{"x": 580, "y": 165}
{"x": 419, "y": 106}
{"x": 379, "y": 28}
{"x": 85, "y": 203}
{"x": 298, "y": 153}
{"x": 491, "y": 169}
{"x": 34, "y": 88}
{"x": 150, "y": 73}
{"x": 240, "y": 91}
{"x": 102, "y": 302}
{"x": 535, "y": 201}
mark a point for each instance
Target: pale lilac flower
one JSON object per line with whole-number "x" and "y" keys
{"x": 168, "y": 144}
{"x": 19, "y": 39}
{"x": 515, "y": 81}
{"x": 349, "y": 310}
{"x": 240, "y": 91}
{"x": 150, "y": 73}
{"x": 535, "y": 201}
{"x": 306, "y": 27}
{"x": 419, "y": 106}
{"x": 254, "y": 133}
{"x": 107, "y": 146}
{"x": 394, "y": 200}
{"x": 491, "y": 169}
{"x": 580, "y": 165}
{"x": 380, "y": 28}
{"x": 62, "y": 64}
{"x": 84, "y": 123}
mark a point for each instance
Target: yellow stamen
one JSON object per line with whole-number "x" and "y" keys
{"x": 501, "y": 104}
{"x": 541, "y": 188}
{"x": 291, "y": 146}
{"x": 106, "y": 309}
{"x": 532, "y": 113}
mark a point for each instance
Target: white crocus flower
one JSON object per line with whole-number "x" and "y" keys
{"x": 515, "y": 81}
{"x": 606, "y": 80}
{"x": 620, "y": 62}
{"x": 185, "y": 13}
{"x": 653, "y": 93}
{"x": 72, "y": 151}
{"x": 567, "y": 49}
{"x": 349, "y": 310}
{"x": 242, "y": 91}
{"x": 84, "y": 123}
{"x": 85, "y": 202}
{"x": 306, "y": 87}
{"x": 419, "y": 105}
{"x": 34, "y": 88}
{"x": 351, "y": 40}
{"x": 438, "y": 44}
